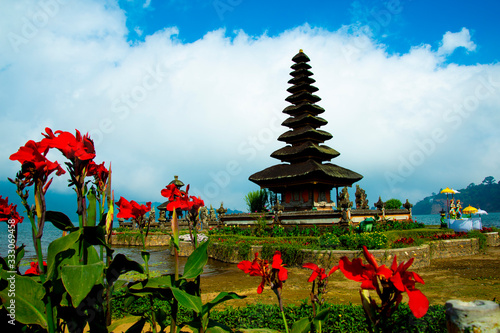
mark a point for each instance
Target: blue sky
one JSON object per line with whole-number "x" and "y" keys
{"x": 196, "y": 89}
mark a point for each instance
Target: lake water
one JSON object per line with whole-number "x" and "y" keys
{"x": 160, "y": 256}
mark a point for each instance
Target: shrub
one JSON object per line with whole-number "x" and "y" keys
{"x": 329, "y": 241}
{"x": 393, "y": 204}
{"x": 372, "y": 240}
{"x": 257, "y": 200}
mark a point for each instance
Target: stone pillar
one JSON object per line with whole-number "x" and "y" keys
{"x": 476, "y": 316}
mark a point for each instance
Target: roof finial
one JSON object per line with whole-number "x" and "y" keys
{"x": 301, "y": 51}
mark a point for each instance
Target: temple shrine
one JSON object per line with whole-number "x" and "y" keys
{"x": 305, "y": 177}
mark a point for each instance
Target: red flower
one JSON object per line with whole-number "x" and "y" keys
{"x": 74, "y": 147}
{"x": 99, "y": 172}
{"x": 180, "y": 199}
{"x": 9, "y": 212}
{"x": 273, "y": 276}
{"x": 35, "y": 166}
{"x": 389, "y": 283}
{"x": 171, "y": 192}
{"x": 34, "y": 269}
{"x": 131, "y": 209}
{"x": 318, "y": 272}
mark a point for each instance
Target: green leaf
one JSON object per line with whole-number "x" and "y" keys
{"x": 196, "y": 261}
{"x": 145, "y": 256}
{"x": 191, "y": 302}
{"x": 91, "y": 209}
{"x": 60, "y": 220}
{"x": 63, "y": 250}
{"x": 302, "y": 325}
{"x": 29, "y": 307}
{"x": 121, "y": 265}
{"x": 137, "y": 327}
{"x": 80, "y": 279}
{"x": 19, "y": 254}
{"x": 321, "y": 316}
{"x": 222, "y": 297}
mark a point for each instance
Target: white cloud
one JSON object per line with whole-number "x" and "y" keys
{"x": 210, "y": 111}
{"x": 454, "y": 40}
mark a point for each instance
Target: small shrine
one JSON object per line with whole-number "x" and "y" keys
{"x": 303, "y": 179}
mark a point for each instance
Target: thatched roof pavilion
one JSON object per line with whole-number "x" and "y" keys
{"x": 304, "y": 179}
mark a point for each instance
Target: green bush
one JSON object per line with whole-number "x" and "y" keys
{"x": 372, "y": 240}
{"x": 257, "y": 200}
{"x": 329, "y": 241}
{"x": 480, "y": 237}
{"x": 393, "y": 204}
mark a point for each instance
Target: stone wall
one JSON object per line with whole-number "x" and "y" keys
{"x": 330, "y": 258}
{"x": 134, "y": 239}
{"x": 453, "y": 248}
{"x": 492, "y": 239}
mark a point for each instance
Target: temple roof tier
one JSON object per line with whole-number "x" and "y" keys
{"x": 308, "y": 172}
{"x": 303, "y": 120}
{"x": 309, "y": 108}
{"x": 302, "y": 97}
{"x": 301, "y": 72}
{"x": 301, "y": 65}
{"x": 301, "y": 57}
{"x": 306, "y": 133}
{"x": 305, "y": 151}
{"x": 302, "y": 87}
{"x": 302, "y": 79}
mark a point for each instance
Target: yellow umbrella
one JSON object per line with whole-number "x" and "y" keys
{"x": 447, "y": 191}
{"x": 469, "y": 210}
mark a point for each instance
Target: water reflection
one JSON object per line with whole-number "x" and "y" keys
{"x": 162, "y": 261}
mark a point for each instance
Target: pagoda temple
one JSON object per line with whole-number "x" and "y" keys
{"x": 302, "y": 179}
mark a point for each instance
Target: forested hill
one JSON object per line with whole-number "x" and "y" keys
{"x": 485, "y": 196}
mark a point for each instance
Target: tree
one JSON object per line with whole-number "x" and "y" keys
{"x": 488, "y": 180}
{"x": 393, "y": 204}
{"x": 257, "y": 200}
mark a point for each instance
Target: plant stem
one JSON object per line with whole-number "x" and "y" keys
{"x": 284, "y": 320}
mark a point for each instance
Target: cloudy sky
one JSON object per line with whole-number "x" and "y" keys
{"x": 196, "y": 89}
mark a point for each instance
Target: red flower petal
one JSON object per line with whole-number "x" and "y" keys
{"x": 418, "y": 303}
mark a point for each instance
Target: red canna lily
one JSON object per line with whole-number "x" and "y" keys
{"x": 74, "y": 147}
{"x": 388, "y": 283}
{"x": 318, "y": 272}
{"x": 100, "y": 174}
{"x": 131, "y": 209}
{"x": 34, "y": 269}
{"x": 171, "y": 192}
{"x": 273, "y": 276}
{"x": 35, "y": 166}
{"x": 9, "y": 212}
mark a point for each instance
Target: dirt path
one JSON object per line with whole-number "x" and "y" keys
{"x": 465, "y": 278}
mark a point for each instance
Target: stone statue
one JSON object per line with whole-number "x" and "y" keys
{"x": 361, "y": 201}
{"x": 277, "y": 210}
{"x": 380, "y": 205}
{"x": 407, "y": 205}
{"x": 203, "y": 216}
{"x": 212, "y": 217}
{"x": 152, "y": 216}
{"x": 220, "y": 213}
{"x": 344, "y": 199}
{"x": 162, "y": 217}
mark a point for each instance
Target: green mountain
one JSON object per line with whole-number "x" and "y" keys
{"x": 485, "y": 196}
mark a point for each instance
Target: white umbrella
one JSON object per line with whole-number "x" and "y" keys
{"x": 481, "y": 212}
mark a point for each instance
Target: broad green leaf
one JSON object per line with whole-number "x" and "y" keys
{"x": 159, "y": 284}
{"x": 19, "y": 254}
{"x": 215, "y": 327}
{"x": 29, "y": 307}
{"x": 59, "y": 220}
{"x": 63, "y": 250}
{"x": 196, "y": 261}
{"x": 222, "y": 297}
{"x": 321, "y": 316}
{"x": 145, "y": 256}
{"x": 190, "y": 302}
{"x": 94, "y": 235}
{"x": 302, "y": 325}
{"x": 137, "y": 327}
{"x": 120, "y": 265}
{"x": 91, "y": 209}
{"x": 79, "y": 280}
